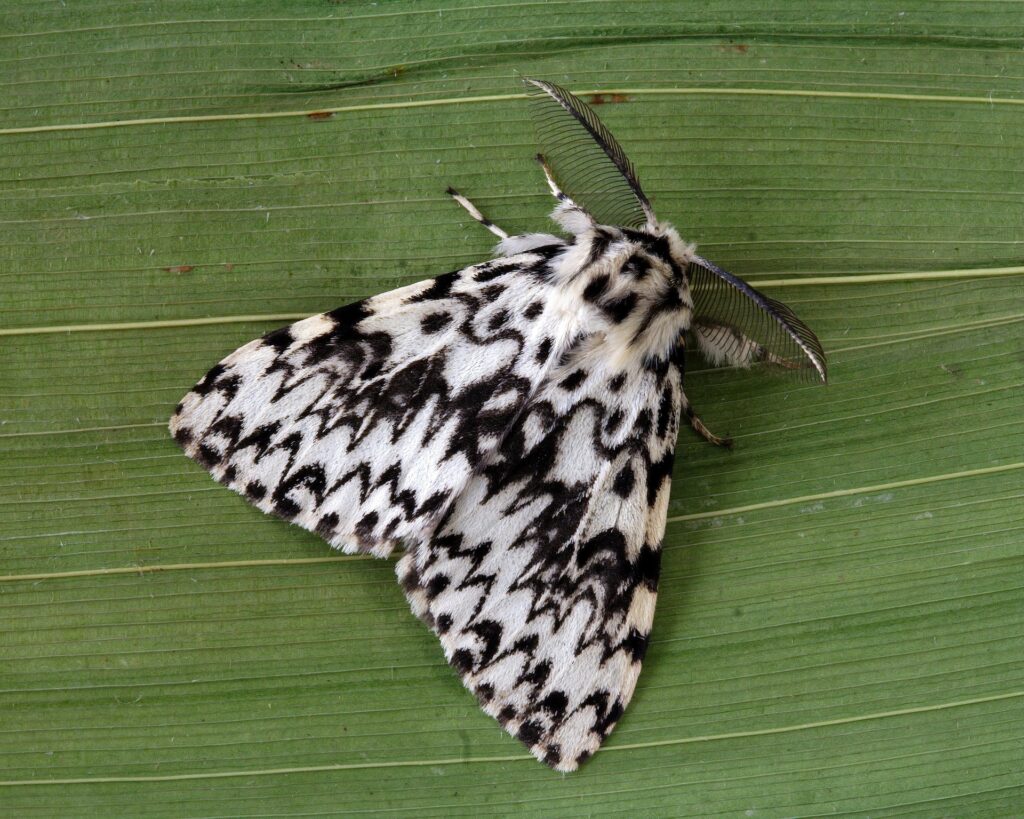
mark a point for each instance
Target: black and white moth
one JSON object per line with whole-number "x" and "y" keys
{"x": 512, "y": 425}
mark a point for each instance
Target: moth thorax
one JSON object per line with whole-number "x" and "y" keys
{"x": 629, "y": 288}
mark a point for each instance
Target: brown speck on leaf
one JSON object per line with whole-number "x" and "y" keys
{"x": 395, "y": 70}
{"x": 601, "y": 99}
{"x": 181, "y": 268}
{"x": 319, "y": 115}
{"x": 228, "y": 266}
{"x": 735, "y": 48}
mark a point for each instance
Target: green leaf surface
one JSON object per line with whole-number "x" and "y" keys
{"x": 842, "y": 604}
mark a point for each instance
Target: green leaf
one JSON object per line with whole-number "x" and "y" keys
{"x": 840, "y": 620}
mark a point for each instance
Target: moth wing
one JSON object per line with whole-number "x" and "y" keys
{"x": 735, "y": 324}
{"x": 542, "y": 579}
{"x": 363, "y": 423}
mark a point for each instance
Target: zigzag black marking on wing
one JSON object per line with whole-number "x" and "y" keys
{"x": 577, "y": 579}
{"x": 291, "y": 420}
{"x": 541, "y": 578}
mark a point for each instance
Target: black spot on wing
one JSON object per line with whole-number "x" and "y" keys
{"x": 657, "y": 473}
{"x": 309, "y": 477}
{"x": 207, "y": 456}
{"x": 613, "y": 421}
{"x": 553, "y": 756}
{"x": 573, "y": 380}
{"x": 490, "y": 632}
{"x": 327, "y": 525}
{"x": 280, "y": 340}
{"x": 535, "y": 675}
{"x": 624, "y": 481}
{"x": 437, "y": 584}
{"x": 636, "y": 644}
{"x": 493, "y": 270}
{"x": 367, "y": 523}
{"x": 530, "y": 732}
{"x": 498, "y": 320}
{"x": 666, "y": 409}
{"x": 350, "y": 315}
{"x": 555, "y": 704}
{"x": 462, "y": 661}
{"x": 611, "y": 541}
{"x": 259, "y": 439}
{"x": 435, "y": 322}
{"x": 255, "y": 491}
{"x": 439, "y": 288}
{"x": 533, "y": 310}
{"x": 205, "y": 386}
{"x": 543, "y": 351}
{"x": 492, "y": 292}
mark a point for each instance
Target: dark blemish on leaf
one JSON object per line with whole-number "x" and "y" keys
{"x": 601, "y": 99}
{"x": 180, "y": 268}
{"x": 319, "y": 115}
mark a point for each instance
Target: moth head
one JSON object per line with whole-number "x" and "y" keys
{"x": 666, "y": 240}
{"x": 589, "y": 172}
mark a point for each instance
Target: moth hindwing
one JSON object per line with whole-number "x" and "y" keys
{"x": 512, "y": 426}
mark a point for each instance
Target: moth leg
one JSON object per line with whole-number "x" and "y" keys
{"x": 476, "y": 214}
{"x": 567, "y": 213}
{"x": 556, "y": 191}
{"x": 698, "y": 426}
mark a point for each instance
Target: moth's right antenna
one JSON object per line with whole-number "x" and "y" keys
{"x": 585, "y": 159}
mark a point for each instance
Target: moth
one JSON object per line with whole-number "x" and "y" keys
{"x": 512, "y": 426}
